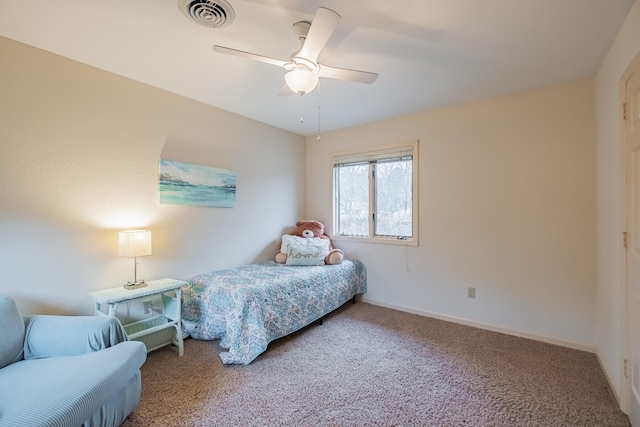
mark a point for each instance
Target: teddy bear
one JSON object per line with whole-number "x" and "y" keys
{"x": 305, "y": 230}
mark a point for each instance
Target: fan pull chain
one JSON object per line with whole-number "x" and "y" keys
{"x": 300, "y": 106}
{"x": 318, "y": 138}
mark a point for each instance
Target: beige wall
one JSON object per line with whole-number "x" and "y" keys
{"x": 610, "y": 290}
{"x": 507, "y": 205}
{"x": 79, "y": 151}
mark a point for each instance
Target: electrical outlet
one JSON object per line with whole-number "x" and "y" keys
{"x": 148, "y": 307}
{"x": 471, "y": 292}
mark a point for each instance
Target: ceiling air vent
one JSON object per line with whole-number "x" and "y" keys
{"x": 209, "y": 13}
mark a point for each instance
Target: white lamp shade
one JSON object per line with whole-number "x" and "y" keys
{"x": 134, "y": 243}
{"x": 301, "y": 81}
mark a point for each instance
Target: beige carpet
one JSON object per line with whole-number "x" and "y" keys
{"x": 372, "y": 366}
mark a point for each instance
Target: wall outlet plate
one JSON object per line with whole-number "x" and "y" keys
{"x": 471, "y": 292}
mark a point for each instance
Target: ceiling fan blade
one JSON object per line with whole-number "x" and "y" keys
{"x": 322, "y": 26}
{"x": 247, "y": 55}
{"x": 345, "y": 74}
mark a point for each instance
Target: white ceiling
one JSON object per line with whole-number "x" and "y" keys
{"x": 428, "y": 53}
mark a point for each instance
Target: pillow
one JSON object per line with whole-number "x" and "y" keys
{"x": 305, "y": 255}
{"x": 289, "y": 239}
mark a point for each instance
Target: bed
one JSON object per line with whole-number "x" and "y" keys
{"x": 249, "y": 306}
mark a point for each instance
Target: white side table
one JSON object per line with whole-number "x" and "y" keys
{"x": 154, "y": 332}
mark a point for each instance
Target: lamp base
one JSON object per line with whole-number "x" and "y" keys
{"x": 135, "y": 285}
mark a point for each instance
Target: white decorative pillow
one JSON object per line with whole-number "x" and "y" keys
{"x": 289, "y": 239}
{"x": 305, "y": 255}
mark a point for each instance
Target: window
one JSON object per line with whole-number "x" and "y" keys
{"x": 375, "y": 194}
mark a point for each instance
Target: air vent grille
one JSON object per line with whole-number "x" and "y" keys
{"x": 209, "y": 13}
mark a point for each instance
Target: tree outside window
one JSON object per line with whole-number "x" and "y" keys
{"x": 374, "y": 194}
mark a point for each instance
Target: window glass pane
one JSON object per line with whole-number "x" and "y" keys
{"x": 353, "y": 199}
{"x": 394, "y": 198}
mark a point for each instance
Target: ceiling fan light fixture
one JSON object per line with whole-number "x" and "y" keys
{"x": 301, "y": 81}
{"x": 302, "y": 68}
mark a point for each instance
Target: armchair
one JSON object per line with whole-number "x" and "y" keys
{"x": 66, "y": 371}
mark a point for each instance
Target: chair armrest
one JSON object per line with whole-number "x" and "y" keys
{"x": 50, "y": 336}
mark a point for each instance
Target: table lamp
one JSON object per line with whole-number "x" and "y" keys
{"x": 132, "y": 244}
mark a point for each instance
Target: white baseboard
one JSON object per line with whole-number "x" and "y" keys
{"x": 612, "y": 384}
{"x": 486, "y": 326}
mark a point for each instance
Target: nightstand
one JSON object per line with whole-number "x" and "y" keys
{"x": 156, "y": 331}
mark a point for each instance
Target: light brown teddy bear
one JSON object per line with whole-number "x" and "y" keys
{"x": 309, "y": 233}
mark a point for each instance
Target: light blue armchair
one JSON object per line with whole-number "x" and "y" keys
{"x": 66, "y": 371}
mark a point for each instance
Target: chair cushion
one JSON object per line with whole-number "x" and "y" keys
{"x": 11, "y": 332}
{"x": 66, "y": 391}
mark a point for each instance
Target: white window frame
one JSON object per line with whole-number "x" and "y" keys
{"x": 377, "y": 152}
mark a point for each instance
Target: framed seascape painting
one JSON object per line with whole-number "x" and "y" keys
{"x": 196, "y": 185}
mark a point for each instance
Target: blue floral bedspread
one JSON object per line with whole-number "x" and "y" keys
{"x": 249, "y": 306}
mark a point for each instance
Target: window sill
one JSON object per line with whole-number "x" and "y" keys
{"x": 412, "y": 241}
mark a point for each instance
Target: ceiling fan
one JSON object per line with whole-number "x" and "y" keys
{"x": 302, "y": 67}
